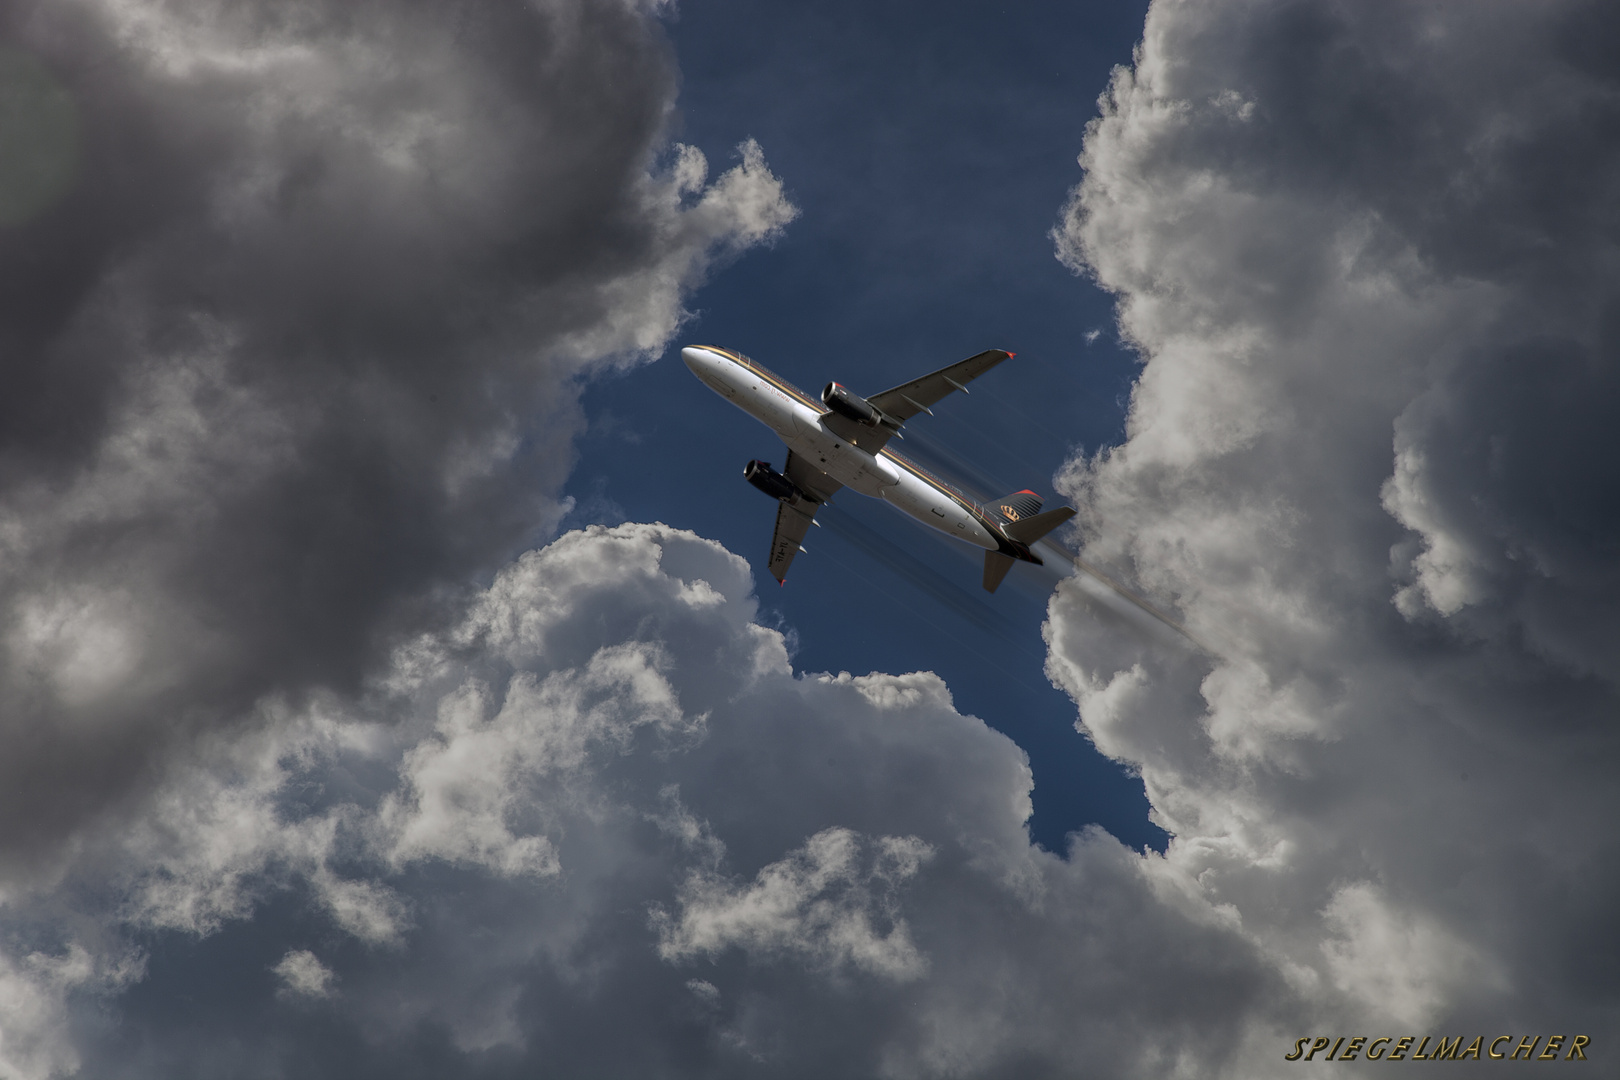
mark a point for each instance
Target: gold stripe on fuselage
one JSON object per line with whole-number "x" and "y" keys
{"x": 950, "y": 489}
{"x": 771, "y": 377}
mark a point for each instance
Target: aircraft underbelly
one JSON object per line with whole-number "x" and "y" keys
{"x": 849, "y": 465}
{"x": 934, "y": 508}
{"x": 877, "y": 477}
{"x": 762, "y": 401}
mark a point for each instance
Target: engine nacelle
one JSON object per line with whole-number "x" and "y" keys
{"x": 852, "y": 405}
{"x": 768, "y": 480}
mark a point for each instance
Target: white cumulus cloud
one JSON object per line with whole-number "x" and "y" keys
{"x": 1372, "y": 281}
{"x": 602, "y": 824}
{"x": 305, "y": 975}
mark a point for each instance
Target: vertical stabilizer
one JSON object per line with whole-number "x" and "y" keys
{"x": 1015, "y": 507}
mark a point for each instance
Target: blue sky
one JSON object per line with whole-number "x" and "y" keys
{"x": 928, "y": 164}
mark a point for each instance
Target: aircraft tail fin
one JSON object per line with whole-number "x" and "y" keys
{"x": 1027, "y": 530}
{"x": 996, "y": 566}
{"x": 1016, "y": 507}
{"x": 1021, "y": 519}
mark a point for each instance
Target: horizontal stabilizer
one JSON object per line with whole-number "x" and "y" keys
{"x": 1030, "y": 529}
{"x": 996, "y": 566}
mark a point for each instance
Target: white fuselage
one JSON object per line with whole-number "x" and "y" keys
{"x": 797, "y": 420}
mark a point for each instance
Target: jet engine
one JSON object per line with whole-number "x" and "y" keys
{"x": 845, "y": 403}
{"x": 768, "y": 480}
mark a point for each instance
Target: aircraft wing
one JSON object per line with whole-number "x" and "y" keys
{"x": 792, "y": 522}
{"x": 809, "y": 479}
{"x": 909, "y": 399}
{"x": 793, "y": 518}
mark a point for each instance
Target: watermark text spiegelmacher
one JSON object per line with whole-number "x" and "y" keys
{"x": 1501, "y": 1048}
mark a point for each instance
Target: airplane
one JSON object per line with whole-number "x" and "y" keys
{"x": 841, "y": 441}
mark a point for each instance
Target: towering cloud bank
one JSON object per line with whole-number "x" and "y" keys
{"x": 296, "y": 298}
{"x": 600, "y": 826}
{"x": 1370, "y": 255}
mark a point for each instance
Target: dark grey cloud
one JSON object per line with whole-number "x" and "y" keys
{"x": 1368, "y": 254}
{"x": 296, "y": 302}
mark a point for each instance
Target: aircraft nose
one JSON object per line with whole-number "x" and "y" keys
{"x": 694, "y": 358}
